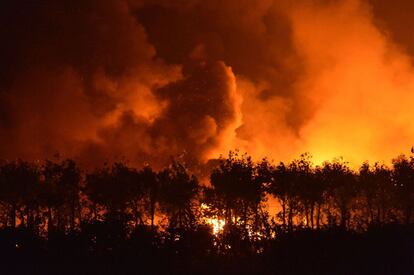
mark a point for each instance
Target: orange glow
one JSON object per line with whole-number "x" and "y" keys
{"x": 216, "y": 224}
{"x": 357, "y": 84}
{"x": 271, "y": 78}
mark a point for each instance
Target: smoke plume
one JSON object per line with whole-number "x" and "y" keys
{"x": 145, "y": 80}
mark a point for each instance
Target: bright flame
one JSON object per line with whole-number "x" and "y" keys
{"x": 215, "y": 222}
{"x": 217, "y": 225}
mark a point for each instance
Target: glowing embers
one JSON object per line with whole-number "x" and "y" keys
{"x": 216, "y": 223}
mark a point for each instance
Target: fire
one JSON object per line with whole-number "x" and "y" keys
{"x": 217, "y": 225}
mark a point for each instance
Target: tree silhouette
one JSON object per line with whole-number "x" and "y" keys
{"x": 114, "y": 188}
{"x": 376, "y": 189}
{"x": 18, "y": 185}
{"x": 318, "y": 193}
{"x": 403, "y": 180}
{"x": 310, "y": 189}
{"x": 178, "y": 190}
{"x": 51, "y": 196}
{"x": 60, "y": 193}
{"x": 70, "y": 183}
{"x": 236, "y": 194}
{"x": 286, "y": 187}
{"x": 151, "y": 188}
{"x": 327, "y": 211}
{"x": 341, "y": 187}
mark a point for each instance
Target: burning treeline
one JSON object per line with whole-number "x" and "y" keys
{"x": 142, "y": 80}
{"x": 55, "y": 197}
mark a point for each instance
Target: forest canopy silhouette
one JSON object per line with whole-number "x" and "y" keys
{"x": 53, "y": 209}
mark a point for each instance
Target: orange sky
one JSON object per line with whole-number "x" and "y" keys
{"x": 359, "y": 83}
{"x": 145, "y": 80}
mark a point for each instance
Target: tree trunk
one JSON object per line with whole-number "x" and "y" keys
{"x": 370, "y": 211}
{"x": 290, "y": 218}
{"x": 228, "y": 215}
{"x": 343, "y": 217}
{"x": 13, "y": 215}
{"x": 284, "y": 213}
{"x": 49, "y": 220}
{"x": 95, "y": 213}
{"x": 29, "y": 219}
{"x": 318, "y": 216}
{"x": 312, "y": 210}
{"x": 407, "y": 215}
{"x": 179, "y": 218}
{"x": 245, "y": 218}
{"x": 58, "y": 219}
{"x": 72, "y": 214}
{"x": 306, "y": 216}
{"x": 152, "y": 212}
{"x": 379, "y": 215}
{"x": 79, "y": 210}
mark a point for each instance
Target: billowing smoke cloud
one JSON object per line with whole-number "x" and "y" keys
{"x": 80, "y": 78}
{"x": 329, "y": 77}
{"x": 144, "y": 80}
{"x": 360, "y": 81}
{"x": 200, "y": 110}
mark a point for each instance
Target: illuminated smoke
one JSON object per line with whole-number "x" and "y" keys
{"x": 147, "y": 80}
{"x": 360, "y": 82}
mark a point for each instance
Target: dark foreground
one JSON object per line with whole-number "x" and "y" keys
{"x": 385, "y": 250}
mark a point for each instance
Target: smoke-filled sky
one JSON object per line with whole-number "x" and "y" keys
{"x": 144, "y": 80}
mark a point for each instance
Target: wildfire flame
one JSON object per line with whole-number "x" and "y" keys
{"x": 216, "y": 224}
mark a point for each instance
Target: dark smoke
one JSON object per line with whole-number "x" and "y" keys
{"x": 80, "y": 78}
{"x": 144, "y": 80}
